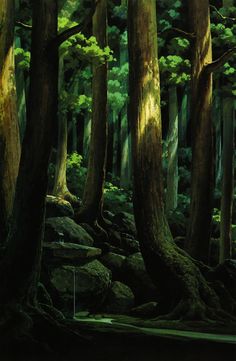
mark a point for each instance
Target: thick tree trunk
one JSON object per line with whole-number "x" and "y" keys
{"x": 181, "y": 283}
{"x": 227, "y": 180}
{"x": 92, "y": 201}
{"x": 172, "y": 140}
{"x": 202, "y": 133}
{"x": 21, "y": 265}
{"x": 9, "y": 130}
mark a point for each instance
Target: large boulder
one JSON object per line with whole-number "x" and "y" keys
{"x": 148, "y": 309}
{"x": 89, "y": 283}
{"x": 58, "y": 207}
{"x": 66, "y": 230}
{"x": 115, "y": 263}
{"x": 56, "y": 252}
{"x": 120, "y": 299}
{"x": 126, "y": 223}
{"x": 137, "y": 278}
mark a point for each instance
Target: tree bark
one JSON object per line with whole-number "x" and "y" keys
{"x": 172, "y": 140}
{"x": 92, "y": 201}
{"x": 21, "y": 264}
{"x": 185, "y": 291}
{"x": 227, "y": 180}
{"x": 9, "y": 130}
{"x": 60, "y": 188}
{"x": 199, "y": 229}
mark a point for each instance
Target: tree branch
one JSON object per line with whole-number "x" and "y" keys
{"x": 180, "y": 31}
{"x": 220, "y": 15}
{"x": 216, "y": 64}
{"x": 23, "y": 26}
{"x": 66, "y": 34}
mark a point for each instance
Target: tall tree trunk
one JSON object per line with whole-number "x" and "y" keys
{"x": 9, "y": 130}
{"x": 23, "y": 256}
{"x": 199, "y": 230}
{"x": 228, "y": 180}
{"x": 115, "y": 120}
{"x": 92, "y": 201}
{"x": 125, "y": 176}
{"x": 178, "y": 279}
{"x": 183, "y": 119}
{"x": 60, "y": 188}
{"x": 217, "y": 116}
{"x": 172, "y": 140}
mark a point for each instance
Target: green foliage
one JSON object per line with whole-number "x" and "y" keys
{"x": 117, "y": 199}
{"x": 74, "y": 160}
{"x": 216, "y": 217}
{"x": 175, "y": 69}
{"x": 117, "y": 87}
{"x": 79, "y": 47}
{"x": 22, "y": 59}
{"x": 74, "y": 103}
{"x": 76, "y": 174}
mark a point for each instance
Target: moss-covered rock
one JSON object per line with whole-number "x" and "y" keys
{"x": 137, "y": 278}
{"x": 65, "y": 229}
{"x": 58, "y": 207}
{"x": 90, "y": 284}
{"x": 120, "y": 299}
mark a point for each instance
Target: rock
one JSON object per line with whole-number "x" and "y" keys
{"x": 114, "y": 238}
{"x": 148, "y": 309}
{"x": 130, "y": 244}
{"x": 126, "y": 222}
{"x": 70, "y": 251}
{"x": 108, "y": 215}
{"x": 138, "y": 280}
{"x": 65, "y": 229}
{"x": 90, "y": 283}
{"x": 120, "y": 299}
{"x": 58, "y": 207}
{"x": 115, "y": 263}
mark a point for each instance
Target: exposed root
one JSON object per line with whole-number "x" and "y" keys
{"x": 196, "y": 299}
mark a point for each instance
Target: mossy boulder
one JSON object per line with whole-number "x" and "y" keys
{"x": 126, "y": 223}
{"x": 120, "y": 299}
{"x": 90, "y": 284}
{"x": 137, "y": 278}
{"x": 66, "y": 230}
{"x": 115, "y": 263}
{"x": 58, "y": 207}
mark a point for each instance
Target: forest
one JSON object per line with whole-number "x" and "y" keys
{"x": 117, "y": 188}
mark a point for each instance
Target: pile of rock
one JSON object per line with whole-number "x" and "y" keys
{"x": 82, "y": 273}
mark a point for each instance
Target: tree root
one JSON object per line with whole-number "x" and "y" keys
{"x": 196, "y": 299}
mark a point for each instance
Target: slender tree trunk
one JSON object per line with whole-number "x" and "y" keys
{"x": 60, "y": 188}
{"x": 176, "y": 276}
{"x": 92, "y": 202}
{"x": 218, "y": 137}
{"x": 87, "y": 136}
{"x": 172, "y": 139}
{"x": 228, "y": 180}
{"x": 23, "y": 256}
{"x": 183, "y": 120}
{"x": 199, "y": 230}
{"x": 125, "y": 177}
{"x": 9, "y": 130}
{"x": 115, "y": 121}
